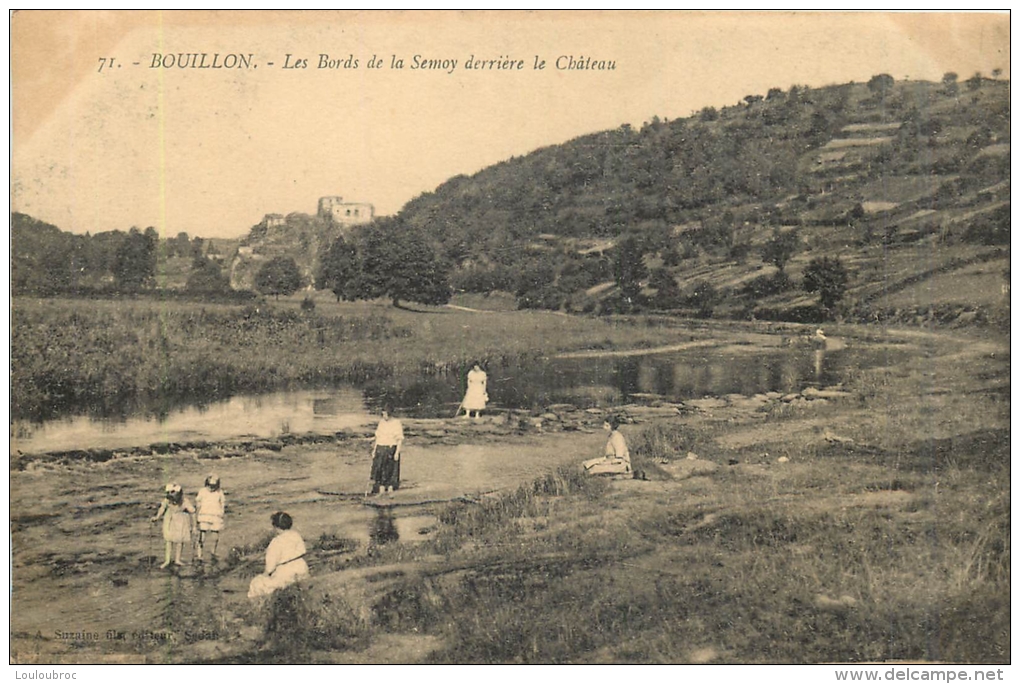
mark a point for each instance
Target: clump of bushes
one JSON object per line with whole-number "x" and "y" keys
{"x": 298, "y": 620}
{"x": 659, "y": 442}
{"x": 768, "y": 285}
{"x": 992, "y": 228}
{"x": 526, "y": 500}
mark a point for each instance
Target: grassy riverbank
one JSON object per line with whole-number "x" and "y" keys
{"x": 873, "y": 528}
{"x": 870, "y": 525}
{"x": 117, "y": 356}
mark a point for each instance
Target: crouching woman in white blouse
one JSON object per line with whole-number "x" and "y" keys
{"x": 616, "y": 460}
{"x": 285, "y": 559}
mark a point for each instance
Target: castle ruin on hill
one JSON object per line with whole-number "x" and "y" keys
{"x": 345, "y": 213}
{"x": 299, "y": 236}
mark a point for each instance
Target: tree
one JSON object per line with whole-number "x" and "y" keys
{"x": 339, "y": 270}
{"x": 134, "y": 263}
{"x": 654, "y": 235}
{"x": 399, "y": 263}
{"x": 179, "y": 246}
{"x": 949, "y": 84}
{"x": 703, "y": 296}
{"x": 881, "y": 84}
{"x": 667, "y": 292}
{"x": 780, "y": 248}
{"x": 278, "y": 276}
{"x": 821, "y": 126}
{"x": 828, "y": 277}
{"x": 629, "y": 269}
{"x": 206, "y": 278}
{"x": 709, "y": 114}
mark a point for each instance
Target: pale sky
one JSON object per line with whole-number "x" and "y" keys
{"x": 210, "y": 151}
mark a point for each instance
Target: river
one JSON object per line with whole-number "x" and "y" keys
{"x": 584, "y": 382}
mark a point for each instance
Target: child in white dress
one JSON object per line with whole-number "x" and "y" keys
{"x": 211, "y": 509}
{"x": 178, "y": 523}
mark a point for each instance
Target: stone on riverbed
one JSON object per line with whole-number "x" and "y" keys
{"x": 707, "y": 403}
{"x": 649, "y": 412}
{"x": 747, "y": 403}
{"x": 681, "y": 470}
{"x": 833, "y": 394}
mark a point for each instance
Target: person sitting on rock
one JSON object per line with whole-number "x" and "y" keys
{"x": 616, "y": 460}
{"x": 285, "y": 559}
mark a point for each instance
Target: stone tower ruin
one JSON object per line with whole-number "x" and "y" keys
{"x": 345, "y": 213}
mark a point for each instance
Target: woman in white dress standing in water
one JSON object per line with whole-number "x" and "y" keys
{"x": 476, "y": 397}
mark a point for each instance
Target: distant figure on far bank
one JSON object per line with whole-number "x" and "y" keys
{"x": 819, "y": 340}
{"x": 178, "y": 523}
{"x": 616, "y": 460}
{"x": 211, "y": 509}
{"x": 389, "y": 439}
{"x": 285, "y": 559}
{"x": 476, "y": 396}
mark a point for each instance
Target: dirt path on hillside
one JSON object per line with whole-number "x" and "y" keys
{"x": 599, "y": 354}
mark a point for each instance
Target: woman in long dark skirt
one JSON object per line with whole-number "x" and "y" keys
{"x": 389, "y": 438}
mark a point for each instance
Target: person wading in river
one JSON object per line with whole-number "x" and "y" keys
{"x": 389, "y": 438}
{"x": 476, "y": 397}
{"x": 211, "y": 505}
{"x": 178, "y": 522}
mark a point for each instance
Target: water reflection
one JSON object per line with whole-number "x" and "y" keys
{"x": 614, "y": 380}
{"x": 583, "y": 382}
{"x": 268, "y": 415}
{"x": 384, "y": 528}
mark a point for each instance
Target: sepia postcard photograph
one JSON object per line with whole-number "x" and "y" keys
{"x": 509, "y": 337}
